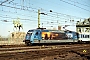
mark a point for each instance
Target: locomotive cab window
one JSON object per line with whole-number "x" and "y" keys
{"x": 36, "y": 33}
{"x": 29, "y": 33}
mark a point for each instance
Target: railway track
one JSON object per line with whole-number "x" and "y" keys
{"x": 39, "y": 52}
{"x": 37, "y": 48}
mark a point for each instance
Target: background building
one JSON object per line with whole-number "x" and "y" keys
{"x": 84, "y": 26}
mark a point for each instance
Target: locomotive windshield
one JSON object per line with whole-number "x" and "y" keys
{"x": 29, "y": 32}
{"x": 28, "y": 35}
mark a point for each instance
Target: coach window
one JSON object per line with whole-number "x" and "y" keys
{"x": 83, "y": 36}
{"x": 87, "y": 36}
{"x": 80, "y": 36}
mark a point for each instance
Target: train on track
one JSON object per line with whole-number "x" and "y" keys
{"x": 42, "y": 35}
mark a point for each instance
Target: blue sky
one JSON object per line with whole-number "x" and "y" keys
{"x": 62, "y": 10}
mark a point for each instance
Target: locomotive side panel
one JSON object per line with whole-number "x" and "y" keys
{"x": 56, "y": 36}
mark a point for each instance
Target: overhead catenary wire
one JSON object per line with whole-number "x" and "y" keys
{"x": 18, "y": 8}
{"x": 49, "y": 14}
{"x": 79, "y": 3}
{"x": 75, "y": 5}
{"x": 65, "y": 15}
{"x": 28, "y": 17}
{"x": 18, "y": 14}
{"x": 62, "y": 14}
